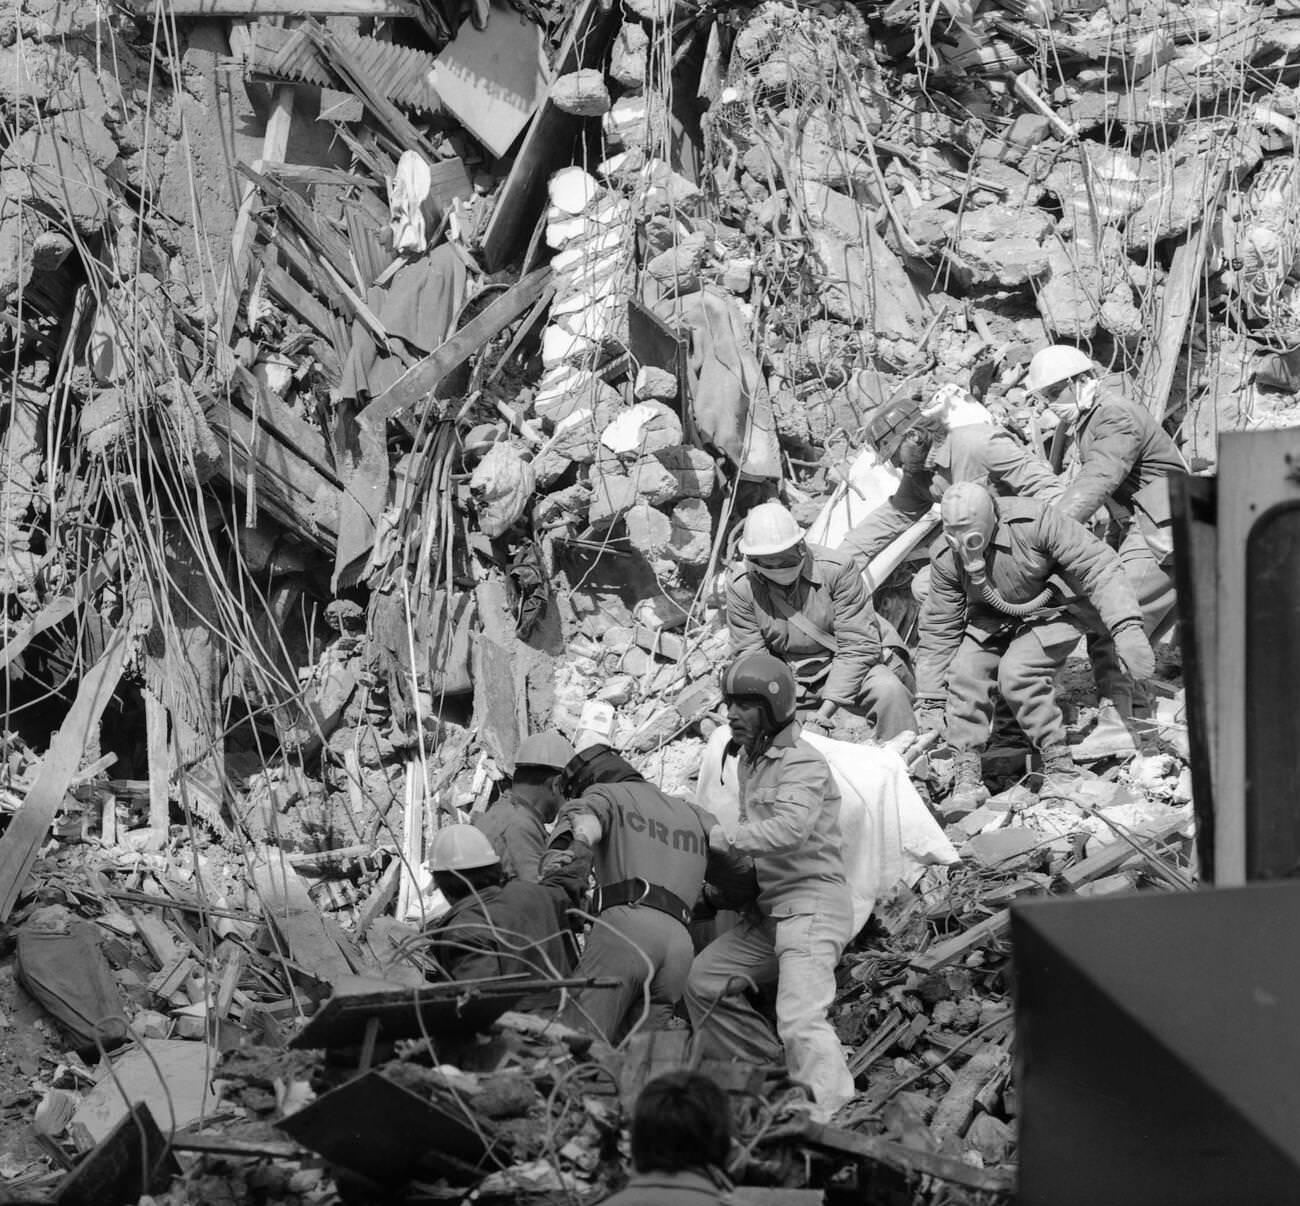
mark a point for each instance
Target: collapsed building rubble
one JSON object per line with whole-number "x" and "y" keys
{"x": 374, "y": 396}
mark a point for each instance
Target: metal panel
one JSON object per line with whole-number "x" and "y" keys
{"x": 1158, "y": 1046}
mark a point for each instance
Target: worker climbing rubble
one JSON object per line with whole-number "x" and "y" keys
{"x": 1121, "y": 460}
{"x": 499, "y": 925}
{"x": 803, "y": 917}
{"x": 1007, "y": 596}
{"x": 651, "y": 854}
{"x": 516, "y": 824}
{"x": 808, "y": 605}
{"x": 957, "y": 440}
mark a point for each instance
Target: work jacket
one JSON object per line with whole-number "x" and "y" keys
{"x": 790, "y": 827}
{"x": 1125, "y": 456}
{"x": 1033, "y": 545}
{"x": 668, "y": 1189}
{"x": 505, "y": 930}
{"x": 646, "y": 834}
{"x": 991, "y": 456}
{"x": 517, "y": 834}
{"x": 835, "y": 637}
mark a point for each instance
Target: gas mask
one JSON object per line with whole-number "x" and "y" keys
{"x": 969, "y": 518}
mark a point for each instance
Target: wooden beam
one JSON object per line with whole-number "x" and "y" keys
{"x": 160, "y": 764}
{"x": 30, "y": 825}
{"x": 423, "y": 377}
{"x": 289, "y": 909}
{"x": 943, "y": 953}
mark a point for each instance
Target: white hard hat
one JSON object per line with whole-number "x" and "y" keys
{"x": 769, "y": 528}
{"x": 461, "y": 848}
{"x": 1054, "y": 364}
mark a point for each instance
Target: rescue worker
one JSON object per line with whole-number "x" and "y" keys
{"x": 995, "y": 616}
{"x": 803, "y": 917}
{"x": 651, "y": 852}
{"x": 808, "y": 605}
{"x": 516, "y": 824}
{"x": 499, "y": 926}
{"x": 1122, "y": 459}
{"x": 681, "y": 1143}
{"x": 970, "y": 447}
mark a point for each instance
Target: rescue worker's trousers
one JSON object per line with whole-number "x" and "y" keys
{"x": 884, "y": 696}
{"x": 799, "y": 952}
{"x": 1023, "y": 663}
{"x": 649, "y": 954}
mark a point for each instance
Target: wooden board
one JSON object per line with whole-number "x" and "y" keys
{"x": 279, "y": 8}
{"x": 30, "y": 825}
{"x": 494, "y": 79}
{"x": 945, "y": 952}
{"x": 287, "y": 906}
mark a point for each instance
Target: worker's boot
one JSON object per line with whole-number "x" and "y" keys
{"x": 1060, "y": 776}
{"x": 1113, "y": 736}
{"x": 968, "y": 790}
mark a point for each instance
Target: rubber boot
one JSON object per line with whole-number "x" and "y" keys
{"x": 968, "y": 790}
{"x": 1060, "y": 776}
{"x": 1111, "y": 737}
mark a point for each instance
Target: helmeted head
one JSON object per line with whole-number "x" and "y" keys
{"x": 760, "y": 693}
{"x": 596, "y": 764}
{"x": 772, "y": 544}
{"x": 969, "y": 518}
{"x": 461, "y": 848}
{"x": 539, "y": 766}
{"x": 1064, "y": 378}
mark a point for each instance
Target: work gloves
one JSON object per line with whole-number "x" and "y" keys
{"x": 1135, "y": 653}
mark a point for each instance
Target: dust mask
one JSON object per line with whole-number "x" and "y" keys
{"x": 780, "y": 577}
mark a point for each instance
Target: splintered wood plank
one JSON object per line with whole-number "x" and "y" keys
{"x": 945, "y": 952}
{"x": 289, "y": 909}
{"x": 31, "y": 823}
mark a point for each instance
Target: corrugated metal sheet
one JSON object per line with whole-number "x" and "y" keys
{"x": 403, "y": 75}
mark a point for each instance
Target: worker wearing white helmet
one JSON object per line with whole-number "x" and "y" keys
{"x": 497, "y": 925}
{"x": 807, "y": 604}
{"x": 516, "y": 823}
{"x": 1121, "y": 460}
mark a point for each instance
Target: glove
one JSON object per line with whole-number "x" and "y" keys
{"x": 1135, "y": 653}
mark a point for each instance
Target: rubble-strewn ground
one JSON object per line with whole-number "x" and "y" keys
{"x": 330, "y": 471}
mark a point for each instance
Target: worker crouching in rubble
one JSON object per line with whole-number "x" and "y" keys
{"x": 803, "y": 917}
{"x": 497, "y": 925}
{"x": 956, "y": 440}
{"x": 995, "y": 617}
{"x": 516, "y": 823}
{"x": 651, "y": 854}
{"x": 809, "y": 606}
{"x": 1122, "y": 461}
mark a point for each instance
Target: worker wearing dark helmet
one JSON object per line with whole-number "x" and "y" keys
{"x": 807, "y": 604}
{"x": 498, "y": 925}
{"x": 516, "y": 823}
{"x": 1121, "y": 459}
{"x": 999, "y": 614}
{"x": 803, "y": 917}
{"x": 651, "y": 852}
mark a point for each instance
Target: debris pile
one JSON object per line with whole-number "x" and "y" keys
{"x": 384, "y": 382}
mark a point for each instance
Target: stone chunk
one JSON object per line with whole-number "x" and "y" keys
{"x": 646, "y": 427}
{"x": 691, "y": 538}
{"x": 693, "y": 467}
{"x": 655, "y": 483}
{"x": 655, "y": 385}
{"x": 1003, "y": 245}
{"x": 649, "y": 530}
{"x": 627, "y": 65}
{"x": 57, "y": 179}
{"x": 582, "y": 93}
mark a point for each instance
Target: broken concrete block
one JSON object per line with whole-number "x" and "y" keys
{"x": 1120, "y": 316}
{"x": 631, "y": 118}
{"x": 49, "y": 251}
{"x": 691, "y": 533}
{"x": 29, "y": 70}
{"x": 1070, "y": 299}
{"x": 1002, "y": 245}
{"x": 611, "y": 495}
{"x": 563, "y": 347}
{"x": 865, "y": 283}
{"x": 655, "y": 483}
{"x": 738, "y": 275}
{"x": 57, "y": 179}
{"x": 629, "y": 59}
{"x": 677, "y": 270}
{"x": 694, "y": 469}
{"x": 573, "y": 190}
{"x": 84, "y": 132}
{"x": 661, "y": 725}
{"x": 647, "y": 427}
{"x": 649, "y": 531}
{"x": 654, "y": 385}
{"x": 582, "y": 93}
{"x": 501, "y": 485}
{"x": 618, "y": 689}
